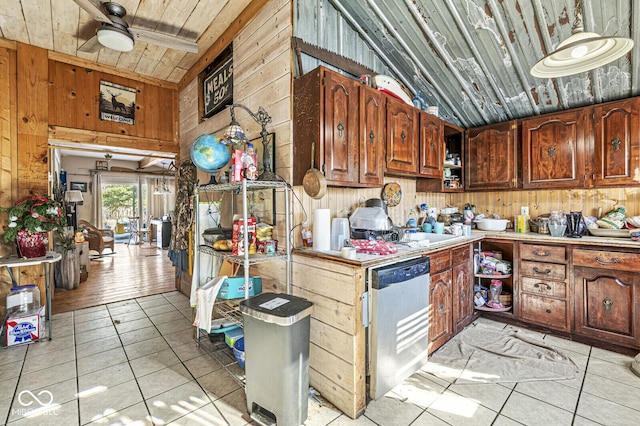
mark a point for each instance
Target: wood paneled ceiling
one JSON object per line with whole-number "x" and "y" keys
{"x": 62, "y": 26}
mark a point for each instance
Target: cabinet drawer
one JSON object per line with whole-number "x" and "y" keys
{"x": 440, "y": 261}
{"x": 460, "y": 254}
{"x": 544, "y": 311}
{"x": 543, "y": 253}
{"x": 544, "y": 287}
{"x": 543, "y": 270}
{"x": 606, "y": 260}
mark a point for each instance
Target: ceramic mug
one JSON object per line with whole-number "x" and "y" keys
{"x": 427, "y": 227}
{"x": 456, "y": 229}
{"x": 438, "y": 228}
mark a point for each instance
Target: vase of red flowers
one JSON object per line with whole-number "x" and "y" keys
{"x": 30, "y": 220}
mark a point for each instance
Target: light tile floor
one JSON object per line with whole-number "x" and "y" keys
{"x": 135, "y": 362}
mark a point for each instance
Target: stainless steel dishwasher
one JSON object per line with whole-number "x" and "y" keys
{"x": 398, "y": 333}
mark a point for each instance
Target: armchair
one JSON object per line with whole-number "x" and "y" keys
{"x": 99, "y": 239}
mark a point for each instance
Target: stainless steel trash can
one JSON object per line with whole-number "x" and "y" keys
{"x": 276, "y": 344}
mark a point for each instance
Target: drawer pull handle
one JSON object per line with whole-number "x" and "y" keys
{"x": 548, "y": 311}
{"x": 608, "y": 303}
{"x": 538, "y": 285}
{"x": 538, "y": 271}
{"x": 462, "y": 295}
{"x": 372, "y": 137}
{"x": 541, "y": 253}
{"x": 440, "y": 308}
{"x": 340, "y": 129}
{"x": 604, "y": 262}
{"x": 403, "y": 136}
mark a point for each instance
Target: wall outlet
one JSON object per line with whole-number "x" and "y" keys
{"x": 524, "y": 211}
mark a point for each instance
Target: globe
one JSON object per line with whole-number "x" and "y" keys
{"x": 209, "y": 155}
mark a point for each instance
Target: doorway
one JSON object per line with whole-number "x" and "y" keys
{"x": 118, "y": 187}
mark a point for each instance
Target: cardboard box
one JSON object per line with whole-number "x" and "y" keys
{"x": 25, "y": 328}
{"x": 233, "y": 287}
{"x": 237, "y": 239}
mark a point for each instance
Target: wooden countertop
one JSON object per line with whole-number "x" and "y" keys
{"x": 405, "y": 251}
{"x": 546, "y": 238}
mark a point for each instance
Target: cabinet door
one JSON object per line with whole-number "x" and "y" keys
{"x": 616, "y": 138}
{"x": 440, "y": 315}
{"x": 491, "y": 157}
{"x": 339, "y": 152}
{"x": 402, "y": 138}
{"x": 431, "y": 146}
{"x": 607, "y": 304}
{"x": 372, "y": 135}
{"x": 462, "y": 295}
{"x": 553, "y": 150}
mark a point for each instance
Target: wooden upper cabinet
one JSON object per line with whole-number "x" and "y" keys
{"x": 339, "y": 152}
{"x": 553, "y": 150}
{"x": 431, "y": 146}
{"x": 491, "y": 157}
{"x": 402, "y": 138}
{"x": 372, "y": 135}
{"x": 329, "y": 111}
{"x": 616, "y": 139}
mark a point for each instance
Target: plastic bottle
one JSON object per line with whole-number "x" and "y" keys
{"x": 412, "y": 222}
{"x": 307, "y": 240}
{"x": 250, "y": 163}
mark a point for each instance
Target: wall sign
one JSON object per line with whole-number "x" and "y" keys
{"x": 217, "y": 88}
{"x": 117, "y": 103}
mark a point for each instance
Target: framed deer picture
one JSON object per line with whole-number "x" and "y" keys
{"x": 117, "y": 103}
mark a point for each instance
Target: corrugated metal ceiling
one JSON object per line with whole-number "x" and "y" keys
{"x": 471, "y": 58}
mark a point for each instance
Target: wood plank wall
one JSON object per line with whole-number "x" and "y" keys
{"x": 74, "y": 103}
{"x": 508, "y": 203}
{"x": 262, "y": 77}
{"x": 44, "y": 97}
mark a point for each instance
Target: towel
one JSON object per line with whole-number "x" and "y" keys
{"x": 205, "y": 299}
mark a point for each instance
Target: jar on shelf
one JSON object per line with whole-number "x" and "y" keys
{"x": 495, "y": 288}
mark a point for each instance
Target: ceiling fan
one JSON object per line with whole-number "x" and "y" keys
{"x": 114, "y": 32}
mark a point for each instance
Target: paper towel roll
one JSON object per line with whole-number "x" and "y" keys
{"x": 322, "y": 229}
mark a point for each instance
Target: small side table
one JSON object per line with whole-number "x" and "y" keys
{"x": 13, "y": 261}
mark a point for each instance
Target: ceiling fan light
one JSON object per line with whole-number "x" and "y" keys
{"x": 115, "y": 39}
{"x": 581, "y": 52}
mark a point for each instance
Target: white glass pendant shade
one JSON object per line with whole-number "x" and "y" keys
{"x": 115, "y": 39}
{"x": 581, "y": 52}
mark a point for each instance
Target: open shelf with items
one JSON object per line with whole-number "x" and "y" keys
{"x": 453, "y": 163}
{"x": 505, "y": 252}
{"x": 229, "y": 309}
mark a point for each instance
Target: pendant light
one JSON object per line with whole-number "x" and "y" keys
{"x": 582, "y": 51}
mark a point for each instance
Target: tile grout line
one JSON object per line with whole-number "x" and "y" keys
{"x": 575, "y": 411}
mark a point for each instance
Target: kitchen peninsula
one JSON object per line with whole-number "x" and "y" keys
{"x": 337, "y": 287}
{"x": 592, "y": 308}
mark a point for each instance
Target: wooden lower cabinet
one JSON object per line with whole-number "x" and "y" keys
{"x": 462, "y": 287}
{"x": 607, "y": 296}
{"x": 544, "y": 299}
{"x": 440, "y": 310}
{"x": 450, "y": 294}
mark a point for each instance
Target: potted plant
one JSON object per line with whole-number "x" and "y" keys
{"x": 30, "y": 220}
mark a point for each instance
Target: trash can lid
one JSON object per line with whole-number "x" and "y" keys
{"x": 277, "y": 308}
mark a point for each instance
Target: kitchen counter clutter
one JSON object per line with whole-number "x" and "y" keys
{"x": 585, "y": 240}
